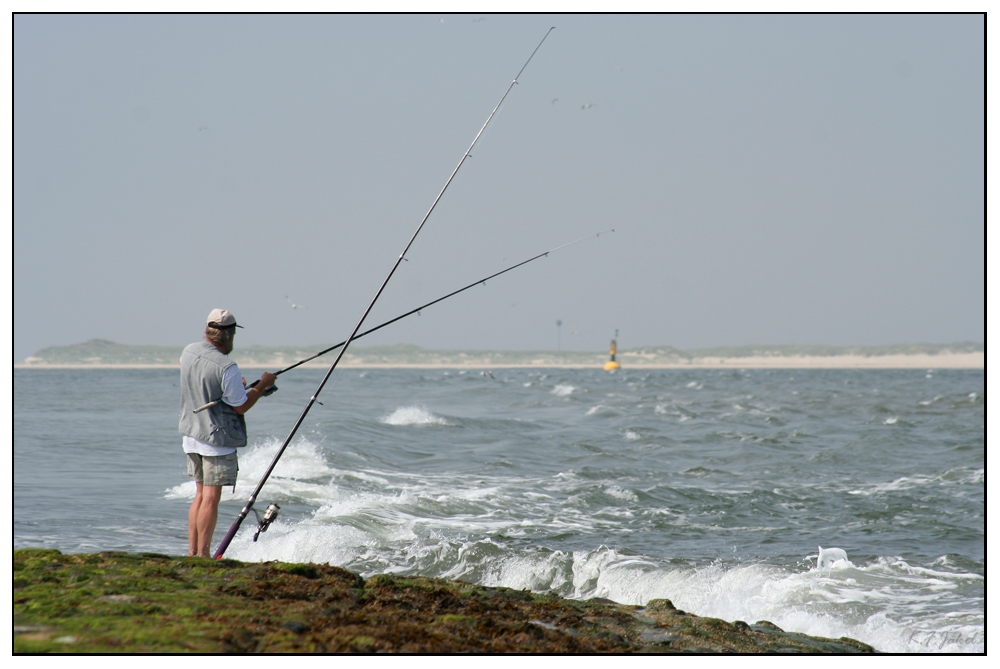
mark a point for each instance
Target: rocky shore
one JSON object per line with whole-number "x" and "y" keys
{"x": 116, "y": 602}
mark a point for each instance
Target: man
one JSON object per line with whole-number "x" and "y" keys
{"x": 211, "y": 437}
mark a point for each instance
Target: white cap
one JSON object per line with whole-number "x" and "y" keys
{"x": 221, "y": 318}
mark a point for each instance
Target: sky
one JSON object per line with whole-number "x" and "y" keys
{"x": 770, "y": 179}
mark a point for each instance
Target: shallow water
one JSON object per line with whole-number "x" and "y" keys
{"x": 714, "y": 488}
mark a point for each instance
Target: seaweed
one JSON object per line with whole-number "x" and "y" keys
{"x": 115, "y": 602}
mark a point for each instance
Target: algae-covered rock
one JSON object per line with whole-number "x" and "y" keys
{"x": 153, "y": 603}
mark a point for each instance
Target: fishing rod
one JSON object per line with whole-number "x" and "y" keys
{"x": 269, "y": 516}
{"x": 411, "y": 312}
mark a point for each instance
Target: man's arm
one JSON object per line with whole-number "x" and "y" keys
{"x": 267, "y": 380}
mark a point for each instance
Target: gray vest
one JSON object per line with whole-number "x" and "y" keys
{"x": 202, "y": 366}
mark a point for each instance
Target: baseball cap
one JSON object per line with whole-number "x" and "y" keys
{"x": 222, "y": 318}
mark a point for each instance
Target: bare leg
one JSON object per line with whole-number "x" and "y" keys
{"x": 193, "y": 522}
{"x": 202, "y": 516}
{"x": 207, "y": 516}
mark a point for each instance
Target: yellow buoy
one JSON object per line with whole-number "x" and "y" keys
{"x": 611, "y": 364}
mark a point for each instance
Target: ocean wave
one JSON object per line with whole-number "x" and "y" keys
{"x": 412, "y": 415}
{"x": 301, "y": 473}
{"x": 621, "y": 493}
{"x": 958, "y": 476}
{"x": 885, "y": 602}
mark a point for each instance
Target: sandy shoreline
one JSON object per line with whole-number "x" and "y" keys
{"x": 920, "y": 361}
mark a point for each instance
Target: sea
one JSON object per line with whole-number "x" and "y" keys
{"x": 829, "y": 502}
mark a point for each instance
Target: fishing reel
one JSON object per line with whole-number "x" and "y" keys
{"x": 270, "y": 391}
{"x": 270, "y": 515}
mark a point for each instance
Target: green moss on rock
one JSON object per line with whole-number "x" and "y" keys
{"x": 152, "y": 603}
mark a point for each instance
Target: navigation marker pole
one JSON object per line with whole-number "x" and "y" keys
{"x": 613, "y": 364}
{"x": 253, "y": 497}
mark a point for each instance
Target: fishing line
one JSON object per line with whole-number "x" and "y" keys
{"x": 413, "y": 311}
{"x": 253, "y": 497}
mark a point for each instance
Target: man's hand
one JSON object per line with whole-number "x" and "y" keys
{"x": 267, "y": 380}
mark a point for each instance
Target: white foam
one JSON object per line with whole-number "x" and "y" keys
{"x": 957, "y": 476}
{"x": 293, "y": 477}
{"x": 302, "y": 460}
{"x": 563, "y": 390}
{"x": 182, "y": 491}
{"x": 412, "y": 416}
{"x": 672, "y": 410}
{"x": 380, "y": 531}
{"x": 330, "y": 544}
{"x": 528, "y": 571}
{"x": 829, "y": 557}
{"x": 870, "y": 603}
{"x": 621, "y": 493}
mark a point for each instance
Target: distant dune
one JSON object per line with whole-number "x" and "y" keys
{"x": 100, "y": 353}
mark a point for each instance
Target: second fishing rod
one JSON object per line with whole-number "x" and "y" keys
{"x": 253, "y": 497}
{"x": 410, "y": 313}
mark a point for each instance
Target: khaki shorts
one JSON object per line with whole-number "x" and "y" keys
{"x": 213, "y": 469}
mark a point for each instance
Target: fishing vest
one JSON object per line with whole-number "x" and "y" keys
{"x": 202, "y": 366}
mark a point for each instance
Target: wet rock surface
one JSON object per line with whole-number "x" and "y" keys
{"x": 153, "y": 603}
